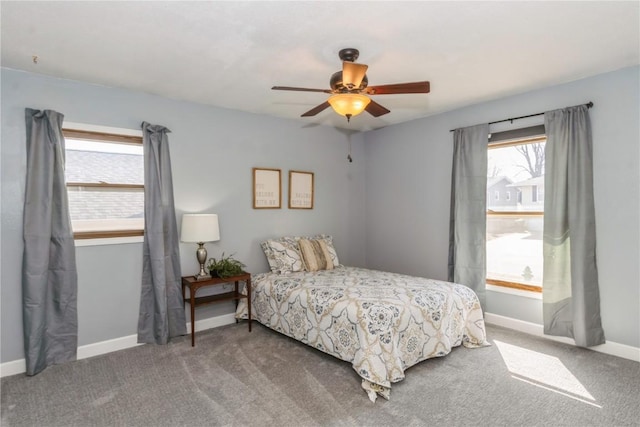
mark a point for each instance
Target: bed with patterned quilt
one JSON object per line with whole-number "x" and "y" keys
{"x": 382, "y": 323}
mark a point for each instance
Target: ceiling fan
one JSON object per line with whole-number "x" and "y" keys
{"x": 350, "y": 87}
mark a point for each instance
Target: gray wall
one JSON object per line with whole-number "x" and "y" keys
{"x": 387, "y": 210}
{"x": 408, "y": 175}
{"x": 213, "y": 151}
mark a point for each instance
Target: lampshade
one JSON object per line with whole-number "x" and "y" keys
{"x": 200, "y": 228}
{"x": 349, "y": 104}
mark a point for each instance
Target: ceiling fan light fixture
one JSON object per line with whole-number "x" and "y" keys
{"x": 349, "y": 104}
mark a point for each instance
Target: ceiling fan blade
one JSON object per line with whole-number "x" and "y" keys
{"x": 415, "y": 87}
{"x": 316, "y": 110}
{"x": 375, "y": 109}
{"x": 300, "y": 89}
{"x": 352, "y": 73}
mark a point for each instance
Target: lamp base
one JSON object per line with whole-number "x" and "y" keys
{"x": 202, "y": 277}
{"x": 201, "y": 254}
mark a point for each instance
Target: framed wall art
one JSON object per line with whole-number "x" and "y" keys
{"x": 300, "y": 190}
{"x": 266, "y": 188}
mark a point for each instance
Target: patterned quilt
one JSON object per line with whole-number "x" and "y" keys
{"x": 381, "y": 322}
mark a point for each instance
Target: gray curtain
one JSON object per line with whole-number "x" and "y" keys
{"x": 161, "y": 307}
{"x": 468, "y": 215}
{"x": 570, "y": 295}
{"x": 49, "y": 275}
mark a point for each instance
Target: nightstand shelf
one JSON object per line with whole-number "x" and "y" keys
{"x": 193, "y": 285}
{"x": 209, "y": 299}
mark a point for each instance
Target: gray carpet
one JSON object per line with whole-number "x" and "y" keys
{"x": 232, "y": 377}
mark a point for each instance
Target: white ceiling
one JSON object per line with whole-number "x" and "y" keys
{"x": 229, "y": 54}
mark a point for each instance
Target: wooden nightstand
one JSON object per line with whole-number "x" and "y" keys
{"x": 193, "y": 285}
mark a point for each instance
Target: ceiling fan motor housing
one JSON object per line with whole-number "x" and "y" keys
{"x": 336, "y": 83}
{"x": 337, "y": 86}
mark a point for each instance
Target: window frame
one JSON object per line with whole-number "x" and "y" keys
{"x": 105, "y": 135}
{"x": 512, "y": 143}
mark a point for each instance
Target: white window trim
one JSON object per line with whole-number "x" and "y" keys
{"x": 105, "y": 129}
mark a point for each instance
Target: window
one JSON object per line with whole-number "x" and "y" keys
{"x": 496, "y": 195}
{"x": 105, "y": 183}
{"x": 514, "y": 230}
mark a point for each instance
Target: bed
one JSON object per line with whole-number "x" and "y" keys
{"x": 381, "y": 322}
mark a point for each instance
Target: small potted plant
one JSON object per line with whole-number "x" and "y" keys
{"x": 225, "y": 266}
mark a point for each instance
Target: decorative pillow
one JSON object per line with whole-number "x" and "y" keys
{"x": 332, "y": 250}
{"x": 293, "y": 241}
{"x": 266, "y": 248}
{"x": 315, "y": 254}
{"x": 283, "y": 257}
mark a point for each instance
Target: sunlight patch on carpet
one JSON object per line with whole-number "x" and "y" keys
{"x": 543, "y": 371}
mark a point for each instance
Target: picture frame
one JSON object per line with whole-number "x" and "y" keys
{"x": 266, "y": 188}
{"x": 301, "y": 188}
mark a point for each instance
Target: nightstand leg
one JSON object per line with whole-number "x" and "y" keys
{"x": 237, "y": 300}
{"x": 248, "y": 282}
{"x": 193, "y": 317}
{"x": 184, "y": 301}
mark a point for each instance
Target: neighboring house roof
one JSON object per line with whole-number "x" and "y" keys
{"x": 105, "y": 205}
{"x": 539, "y": 180}
{"x": 496, "y": 179}
{"x": 93, "y": 166}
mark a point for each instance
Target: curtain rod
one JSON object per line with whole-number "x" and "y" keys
{"x": 588, "y": 105}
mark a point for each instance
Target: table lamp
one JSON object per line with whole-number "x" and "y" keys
{"x": 200, "y": 228}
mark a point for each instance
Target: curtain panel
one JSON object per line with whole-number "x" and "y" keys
{"x": 468, "y": 214}
{"x": 49, "y": 275}
{"x": 570, "y": 292}
{"x": 161, "y": 306}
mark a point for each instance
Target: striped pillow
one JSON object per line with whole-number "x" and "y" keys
{"x": 315, "y": 254}
{"x": 332, "y": 250}
{"x": 293, "y": 240}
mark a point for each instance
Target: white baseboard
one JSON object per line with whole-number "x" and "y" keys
{"x": 213, "y": 322}
{"x": 103, "y": 347}
{"x": 12, "y": 368}
{"x": 19, "y": 366}
{"x": 609, "y": 347}
{"x": 621, "y": 350}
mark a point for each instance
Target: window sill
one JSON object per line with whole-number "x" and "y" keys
{"x": 517, "y": 292}
{"x": 109, "y": 241}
